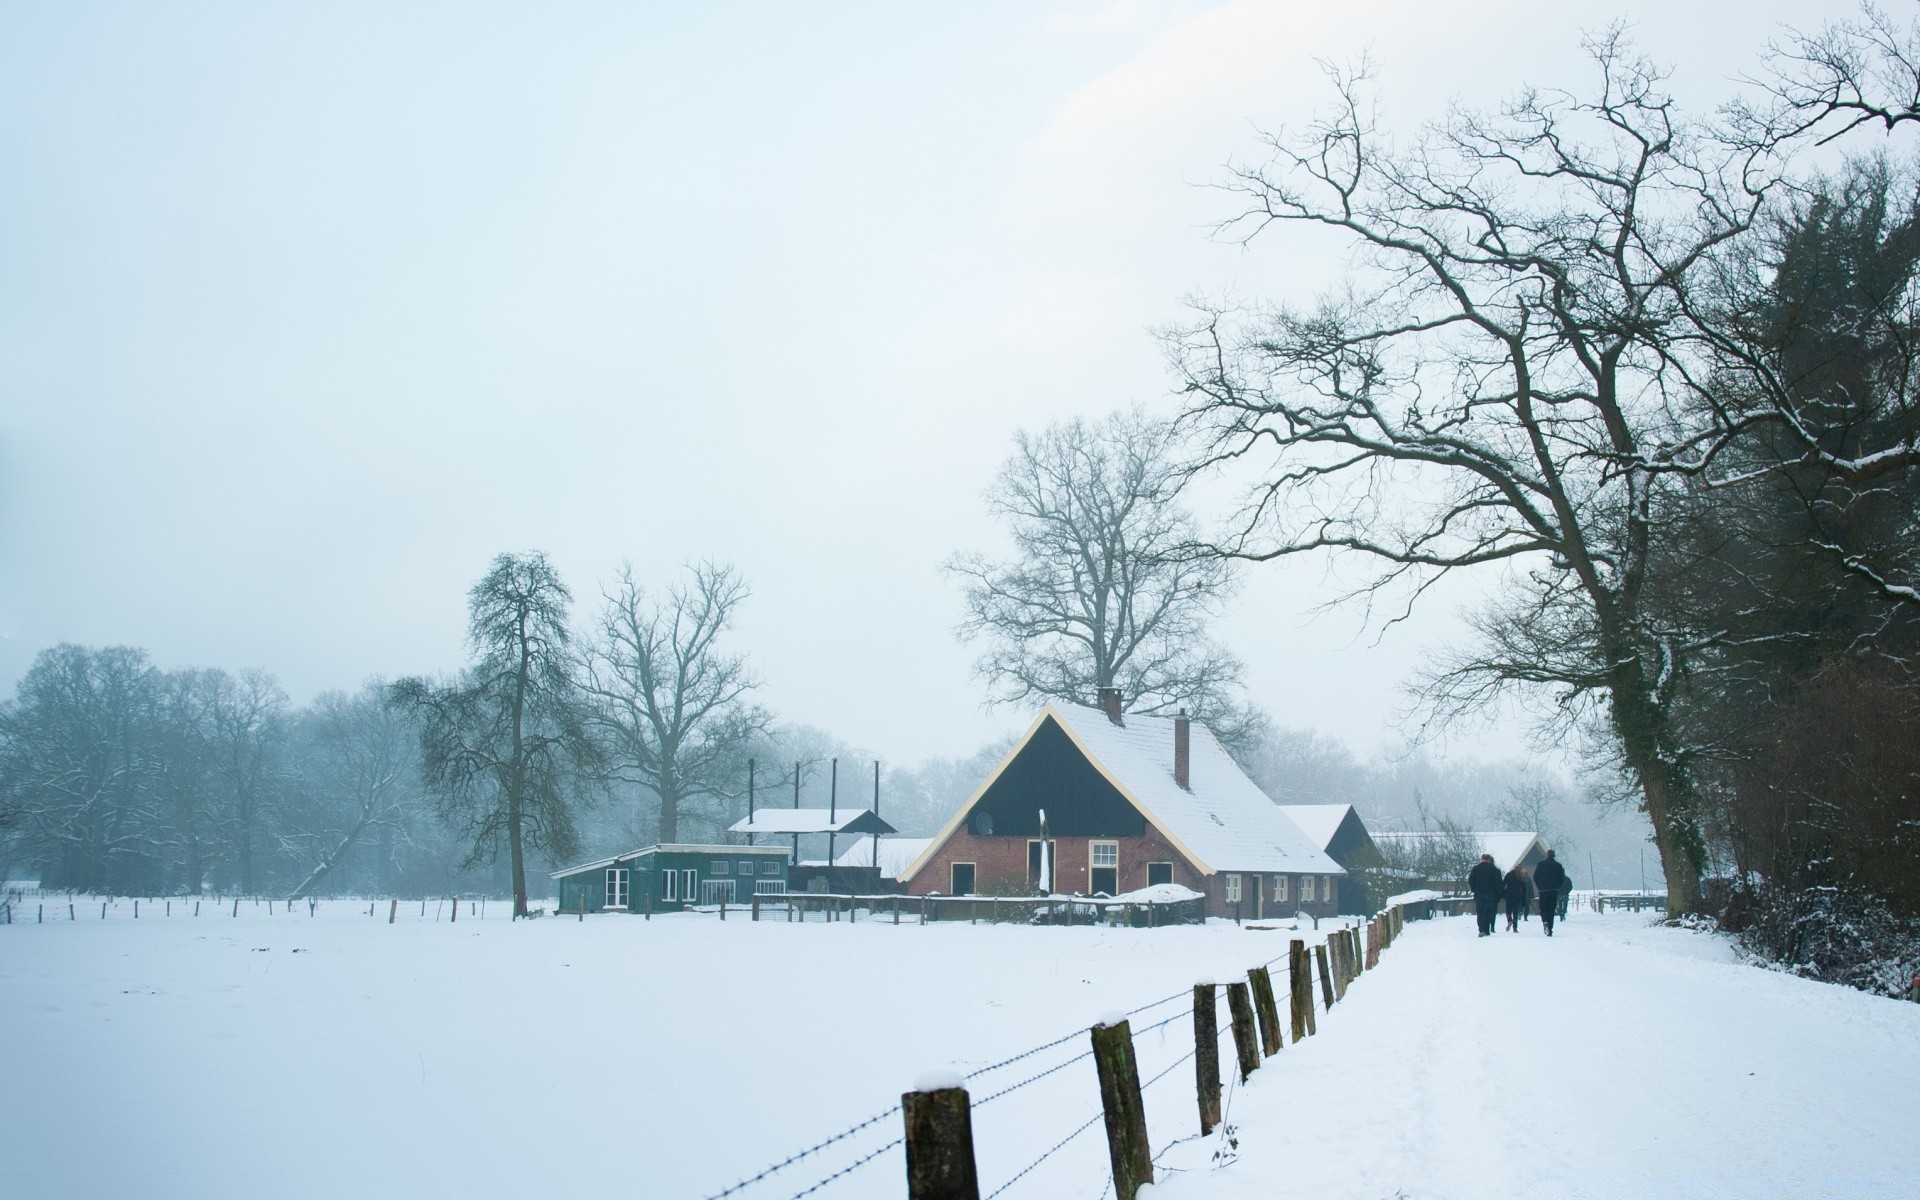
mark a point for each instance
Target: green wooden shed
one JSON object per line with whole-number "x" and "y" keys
{"x": 668, "y": 878}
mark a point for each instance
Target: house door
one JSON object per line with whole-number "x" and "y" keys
{"x": 716, "y": 891}
{"x": 962, "y": 879}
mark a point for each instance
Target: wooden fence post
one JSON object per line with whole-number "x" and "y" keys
{"x": 1206, "y": 1056}
{"x": 1326, "y": 979}
{"x": 939, "y": 1137}
{"x": 1126, "y": 1116}
{"x": 756, "y": 906}
{"x": 1271, "y": 1038}
{"x": 456, "y": 911}
{"x": 1240, "y": 1011}
{"x": 1299, "y": 987}
{"x": 393, "y": 909}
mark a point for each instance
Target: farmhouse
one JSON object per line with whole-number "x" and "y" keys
{"x": 1338, "y": 830}
{"x": 670, "y": 877}
{"x": 1096, "y": 801}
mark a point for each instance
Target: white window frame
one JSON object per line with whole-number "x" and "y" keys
{"x": 689, "y": 885}
{"x": 1308, "y": 892}
{"x": 720, "y": 866}
{"x": 1282, "y": 885}
{"x": 1230, "y": 889}
{"x": 770, "y": 866}
{"x": 669, "y": 889}
{"x": 1093, "y": 854}
{"x": 744, "y": 867}
{"x": 616, "y": 887}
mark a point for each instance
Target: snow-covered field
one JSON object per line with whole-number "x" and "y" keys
{"x": 340, "y": 1056}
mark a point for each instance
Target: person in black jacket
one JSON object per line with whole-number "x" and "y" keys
{"x": 1485, "y": 884}
{"x": 1517, "y": 886}
{"x": 1551, "y": 880}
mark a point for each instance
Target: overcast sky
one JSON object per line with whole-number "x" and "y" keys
{"x": 307, "y": 311}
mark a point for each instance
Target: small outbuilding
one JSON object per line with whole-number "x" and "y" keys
{"x": 673, "y": 876}
{"x": 1338, "y": 830}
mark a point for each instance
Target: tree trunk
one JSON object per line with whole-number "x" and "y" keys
{"x": 669, "y": 815}
{"x": 1677, "y": 861}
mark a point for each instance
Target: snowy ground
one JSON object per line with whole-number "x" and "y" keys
{"x": 1619, "y": 1058}
{"x": 291, "y": 1056}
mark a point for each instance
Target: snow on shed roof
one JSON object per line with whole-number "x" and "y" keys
{"x": 812, "y": 820}
{"x": 895, "y": 854}
{"x": 1225, "y": 822}
{"x": 1318, "y": 821}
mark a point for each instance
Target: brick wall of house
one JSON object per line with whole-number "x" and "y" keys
{"x": 1000, "y": 868}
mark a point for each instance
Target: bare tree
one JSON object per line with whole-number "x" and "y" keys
{"x": 1102, "y": 589}
{"x": 500, "y": 745}
{"x": 1849, "y": 74}
{"x": 1502, "y": 385}
{"x": 245, "y": 721}
{"x": 667, "y": 704}
{"x": 360, "y": 765}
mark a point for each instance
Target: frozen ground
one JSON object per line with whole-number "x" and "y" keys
{"x": 334, "y": 1056}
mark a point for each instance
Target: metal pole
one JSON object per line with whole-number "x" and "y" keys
{"x": 876, "y": 833}
{"x": 833, "y": 801}
{"x": 749, "y": 802}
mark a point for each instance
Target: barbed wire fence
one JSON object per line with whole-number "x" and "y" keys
{"x": 1343, "y": 956}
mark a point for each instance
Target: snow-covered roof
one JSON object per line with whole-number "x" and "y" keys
{"x": 1509, "y": 848}
{"x": 895, "y": 854}
{"x": 811, "y": 820}
{"x": 1222, "y": 821}
{"x": 1318, "y": 821}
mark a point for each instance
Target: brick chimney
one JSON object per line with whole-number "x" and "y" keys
{"x": 1182, "y": 750}
{"x": 1110, "y": 704}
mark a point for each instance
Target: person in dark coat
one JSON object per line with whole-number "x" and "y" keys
{"x": 1551, "y": 880}
{"x": 1486, "y": 885}
{"x": 1517, "y": 886}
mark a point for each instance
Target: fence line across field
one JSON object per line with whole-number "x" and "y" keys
{"x": 937, "y": 1125}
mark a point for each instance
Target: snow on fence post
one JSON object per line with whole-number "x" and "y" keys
{"x": 1326, "y": 978}
{"x": 1240, "y": 1015}
{"x": 1271, "y": 1039}
{"x": 1206, "y": 1056}
{"x": 1120, "y": 1105}
{"x": 939, "y": 1136}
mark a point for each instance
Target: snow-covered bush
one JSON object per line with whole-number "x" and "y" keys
{"x": 1835, "y": 935}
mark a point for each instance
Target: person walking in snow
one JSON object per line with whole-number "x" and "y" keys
{"x": 1486, "y": 885}
{"x": 1517, "y": 887}
{"x": 1550, "y": 878}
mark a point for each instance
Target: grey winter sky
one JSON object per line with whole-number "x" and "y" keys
{"x": 306, "y": 311}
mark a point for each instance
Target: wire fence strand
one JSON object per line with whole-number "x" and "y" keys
{"x": 810, "y": 1151}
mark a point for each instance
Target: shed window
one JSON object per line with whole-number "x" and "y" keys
{"x": 720, "y": 866}
{"x": 746, "y": 866}
{"x": 770, "y": 867}
{"x": 1280, "y": 887}
{"x": 669, "y": 885}
{"x": 616, "y": 887}
{"x": 1233, "y": 889}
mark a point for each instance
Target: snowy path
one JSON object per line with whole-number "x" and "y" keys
{"x": 1616, "y": 1059}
